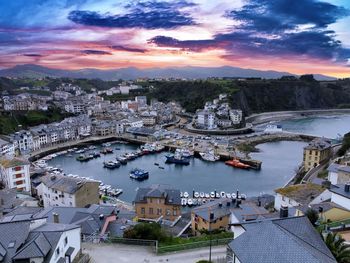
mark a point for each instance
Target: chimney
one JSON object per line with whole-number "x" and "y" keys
{"x": 220, "y": 205}
{"x": 284, "y": 211}
{"x": 56, "y": 218}
{"x": 238, "y": 202}
{"x": 211, "y": 217}
{"x": 101, "y": 216}
{"x": 347, "y": 187}
{"x": 259, "y": 201}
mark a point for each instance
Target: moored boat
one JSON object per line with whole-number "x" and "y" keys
{"x": 209, "y": 156}
{"x": 237, "y": 163}
{"x": 139, "y": 174}
{"x": 111, "y": 164}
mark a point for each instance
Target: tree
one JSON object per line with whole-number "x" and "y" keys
{"x": 148, "y": 231}
{"x": 339, "y": 249}
{"x": 312, "y": 215}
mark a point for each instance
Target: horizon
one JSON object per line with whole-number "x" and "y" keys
{"x": 278, "y": 35}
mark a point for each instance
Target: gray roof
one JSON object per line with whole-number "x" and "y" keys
{"x": 334, "y": 167}
{"x": 290, "y": 240}
{"x": 340, "y": 190}
{"x": 37, "y": 247}
{"x": 326, "y": 206}
{"x": 65, "y": 184}
{"x": 318, "y": 144}
{"x": 171, "y": 195}
{"x": 218, "y": 207}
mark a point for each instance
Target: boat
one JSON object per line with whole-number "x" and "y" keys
{"x": 130, "y": 156}
{"x": 122, "y": 160}
{"x": 237, "y": 163}
{"x": 117, "y": 148}
{"x": 106, "y": 144}
{"x": 92, "y": 147}
{"x": 161, "y": 167}
{"x": 96, "y": 154}
{"x": 177, "y": 158}
{"x": 111, "y": 164}
{"x": 80, "y": 151}
{"x": 157, "y": 164}
{"x": 209, "y": 156}
{"x": 273, "y": 128}
{"x": 106, "y": 151}
{"x": 83, "y": 158}
{"x": 138, "y": 174}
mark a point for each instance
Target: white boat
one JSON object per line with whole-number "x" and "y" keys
{"x": 209, "y": 156}
{"x": 273, "y": 128}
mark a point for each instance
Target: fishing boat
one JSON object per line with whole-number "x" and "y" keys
{"x": 80, "y": 151}
{"x": 83, "y": 158}
{"x": 161, "y": 167}
{"x": 106, "y": 144}
{"x": 106, "y": 151}
{"x": 157, "y": 164}
{"x": 122, "y": 160}
{"x": 111, "y": 164}
{"x": 92, "y": 147}
{"x": 96, "y": 154}
{"x": 237, "y": 163}
{"x": 138, "y": 174}
{"x": 187, "y": 152}
{"x": 130, "y": 156}
{"x": 177, "y": 158}
{"x": 209, "y": 156}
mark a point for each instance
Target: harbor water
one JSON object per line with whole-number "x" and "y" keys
{"x": 280, "y": 159}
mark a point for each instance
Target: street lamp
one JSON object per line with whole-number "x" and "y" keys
{"x": 211, "y": 217}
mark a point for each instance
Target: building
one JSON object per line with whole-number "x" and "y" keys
{"x": 6, "y": 148}
{"x": 141, "y": 100}
{"x": 26, "y": 239}
{"x": 15, "y": 174}
{"x": 338, "y": 173}
{"x": 206, "y": 120}
{"x": 291, "y": 240}
{"x": 341, "y": 195}
{"x": 299, "y": 195}
{"x": 60, "y": 190}
{"x": 149, "y": 118}
{"x": 327, "y": 211}
{"x": 157, "y": 201}
{"x": 236, "y": 116}
{"x": 214, "y": 215}
{"x": 318, "y": 151}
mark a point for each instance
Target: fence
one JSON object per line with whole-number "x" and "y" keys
{"x": 193, "y": 245}
{"x": 138, "y": 242}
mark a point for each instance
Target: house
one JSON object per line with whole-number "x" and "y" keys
{"x": 340, "y": 194}
{"x": 15, "y": 174}
{"x": 291, "y": 240}
{"x": 60, "y": 190}
{"x": 6, "y": 148}
{"x": 318, "y": 151}
{"x": 141, "y": 100}
{"x": 338, "y": 173}
{"x": 157, "y": 202}
{"x": 236, "y": 116}
{"x": 206, "y": 119}
{"x": 149, "y": 118}
{"x": 214, "y": 215}
{"x": 95, "y": 221}
{"x": 327, "y": 211}
{"x": 26, "y": 239}
{"x": 301, "y": 194}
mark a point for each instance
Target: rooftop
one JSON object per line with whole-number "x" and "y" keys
{"x": 65, "y": 184}
{"x": 334, "y": 167}
{"x": 340, "y": 190}
{"x": 302, "y": 193}
{"x": 172, "y": 196}
{"x": 219, "y": 208}
{"x": 318, "y": 144}
{"x": 291, "y": 240}
{"x": 7, "y": 163}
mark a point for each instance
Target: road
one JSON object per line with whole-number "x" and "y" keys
{"x": 101, "y": 253}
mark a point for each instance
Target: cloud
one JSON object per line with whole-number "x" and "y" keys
{"x": 32, "y": 55}
{"x": 149, "y": 15}
{"x": 276, "y": 28}
{"x": 190, "y": 45}
{"x": 95, "y": 52}
{"x": 128, "y": 49}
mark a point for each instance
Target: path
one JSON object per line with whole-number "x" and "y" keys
{"x": 101, "y": 253}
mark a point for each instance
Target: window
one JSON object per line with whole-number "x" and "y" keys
{"x": 57, "y": 251}
{"x": 150, "y": 211}
{"x": 168, "y": 212}
{"x": 159, "y": 211}
{"x": 174, "y": 212}
{"x": 142, "y": 210}
{"x": 66, "y": 241}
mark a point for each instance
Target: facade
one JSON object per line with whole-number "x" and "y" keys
{"x": 292, "y": 240}
{"x": 157, "y": 201}
{"x": 236, "y": 116}
{"x": 298, "y": 195}
{"x": 25, "y": 239}
{"x": 338, "y": 174}
{"x": 206, "y": 119}
{"x": 318, "y": 151}
{"x": 341, "y": 195}
{"x": 59, "y": 190}
{"x": 211, "y": 216}
{"x": 6, "y": 148}
{"x": 15, "y": 174}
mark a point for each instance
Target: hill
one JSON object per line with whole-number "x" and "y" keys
{"x": 131, "y": 73}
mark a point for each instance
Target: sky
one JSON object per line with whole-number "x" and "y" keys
{"x": 296, "y": 36}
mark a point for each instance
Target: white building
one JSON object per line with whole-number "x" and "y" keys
{"x": 236, "y": 116}
{"x": 341, "y": 195}
{"x": 15, "y": 174}
{"x": 6, "y": 148}
{"x": 59, "y": 190}
{"x": 338, "y": 174}
{"x": 206, "y": 120}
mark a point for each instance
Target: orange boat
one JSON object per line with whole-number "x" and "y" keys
{"x": 236, "y": 163}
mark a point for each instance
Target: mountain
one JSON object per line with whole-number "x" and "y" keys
{"x": 130, "y": 73}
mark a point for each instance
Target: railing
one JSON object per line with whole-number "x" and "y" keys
{"x": 334, "y": 225}
{"x": 193, "y": 245}
{"x": 138, "y": 242}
